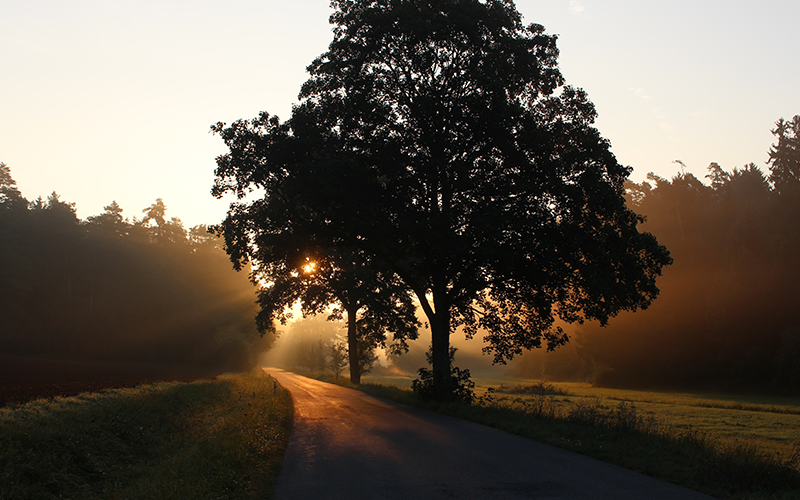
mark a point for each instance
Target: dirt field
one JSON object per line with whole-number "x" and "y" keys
{"x": 26, "y": 378}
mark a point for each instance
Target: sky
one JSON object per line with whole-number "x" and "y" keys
{"x": 112, "y": 100}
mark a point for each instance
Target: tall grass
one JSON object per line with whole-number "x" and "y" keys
{"x": 623, "y": 435}
{"x": 541, "y": 388}
{"x": 221, "y": 438}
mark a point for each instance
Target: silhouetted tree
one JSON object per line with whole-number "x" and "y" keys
{"x": 440, "y": 138}
{"x": 14, "y": 252}
{"x": 337, "y": 357}
{"x": 370, "y": 302}
{"x": 110, "y": 222}
{"x": 10, "y": 196}
{"x": 320, "y": 273}
{"x": 784, "y": 157}
{"x": 165, "y": 231}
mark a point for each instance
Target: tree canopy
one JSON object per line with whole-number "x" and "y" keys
{"x": 297, "y": 263}
{"x": 108, "y": 289}
{"x": 344, "y": 284}
{"x": 440, "y": 138}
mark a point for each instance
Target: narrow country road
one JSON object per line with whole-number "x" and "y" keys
{"x": 348, "y": 445}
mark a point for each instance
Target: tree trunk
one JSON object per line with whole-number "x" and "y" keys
{"x": 440, "y": 345}
{"x": 352, "y": 345}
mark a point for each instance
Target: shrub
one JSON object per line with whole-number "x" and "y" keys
{"x": 458, "y": 387}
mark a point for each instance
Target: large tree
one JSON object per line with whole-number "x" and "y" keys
{"x": 345, "y": 284}
{"x": 295, "y": 261}
{"x": 439, "y": 137}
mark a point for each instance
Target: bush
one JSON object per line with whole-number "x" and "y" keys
{"x": 458, "y": 387}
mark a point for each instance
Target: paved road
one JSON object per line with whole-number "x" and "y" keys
{"x": 348, "y": 445}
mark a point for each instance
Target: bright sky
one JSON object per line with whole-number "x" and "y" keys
{"x": 105, "y": 100}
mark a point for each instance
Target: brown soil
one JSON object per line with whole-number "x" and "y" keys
{"x": 25, "y": 378}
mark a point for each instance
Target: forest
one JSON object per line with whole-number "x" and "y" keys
{"x": 727, "y": 313}
{"x": 115, "y": 290}
{"x": 147, "y": 290}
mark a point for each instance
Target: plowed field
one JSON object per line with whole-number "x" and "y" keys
{"x": 26, "y": 378}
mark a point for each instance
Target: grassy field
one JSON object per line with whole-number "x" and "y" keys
{"x": 769, "y": 423}
{"x": 729, "y": 446}
{"x": 220, "y": 438}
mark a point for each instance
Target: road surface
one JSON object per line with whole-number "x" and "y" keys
{"x": 348, "y": 445}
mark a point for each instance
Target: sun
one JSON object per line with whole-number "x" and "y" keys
{"x": 310, "y": 267}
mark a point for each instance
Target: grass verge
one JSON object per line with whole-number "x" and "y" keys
{"x": 221, "y": 438}
{"x": 621, "y": 434}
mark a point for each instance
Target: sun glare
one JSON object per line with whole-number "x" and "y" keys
{"x": 310, "y": 267}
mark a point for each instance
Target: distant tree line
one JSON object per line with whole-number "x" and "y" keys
{"x": 108, "y": 288}
{"x": 727, "y": 316}
{"x": 315, "y": 344}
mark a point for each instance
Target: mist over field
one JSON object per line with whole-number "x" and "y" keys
{"x": 116, "y": 298}
{"x": 146, "y": 290}
{"x": 725, "y": 318}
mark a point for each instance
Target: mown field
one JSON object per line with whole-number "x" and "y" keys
{"x": 214, "y": 438}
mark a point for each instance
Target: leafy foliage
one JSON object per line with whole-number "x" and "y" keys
{"x": 439, "y": 139}
{"x": 297, "y": 264}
